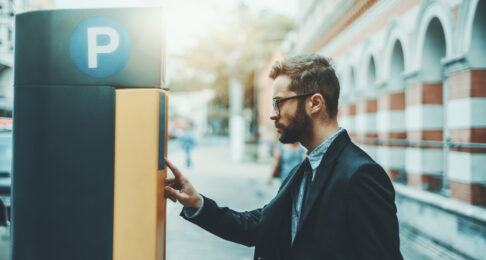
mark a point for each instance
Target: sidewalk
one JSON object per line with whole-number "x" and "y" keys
{"x": 4, "y": 243}
{"x": 243, "y": 186}
{"x": 240, "y": 186}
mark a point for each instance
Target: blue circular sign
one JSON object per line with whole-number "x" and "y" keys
{"x": 99, "y": 47}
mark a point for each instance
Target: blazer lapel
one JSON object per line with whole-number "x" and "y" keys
{"x": 274, "y": 212}
{"x": 293, "y": 177}
{"x": 273, "y": 208}
{"x": 323, "y": 172}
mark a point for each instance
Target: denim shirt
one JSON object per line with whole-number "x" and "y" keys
{"x": 315, "y": 158}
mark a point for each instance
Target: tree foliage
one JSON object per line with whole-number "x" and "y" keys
{"x": 232, "y": 49}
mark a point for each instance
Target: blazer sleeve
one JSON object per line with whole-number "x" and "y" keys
{"x": 372, "y": 215}
{"x": 238, "y": 227}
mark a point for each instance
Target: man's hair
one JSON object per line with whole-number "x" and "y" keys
{"x": 311, "y": 74}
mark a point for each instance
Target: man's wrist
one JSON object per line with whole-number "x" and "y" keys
{"x": 198, "y": 202}
{"x": 191, "y": 212}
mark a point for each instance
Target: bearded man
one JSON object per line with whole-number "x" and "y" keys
{"x": 337, "y": 204}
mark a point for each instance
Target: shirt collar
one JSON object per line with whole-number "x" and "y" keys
{"x": 315, "y": 157}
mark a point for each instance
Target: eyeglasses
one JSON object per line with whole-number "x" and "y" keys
{"x": 276, "y": 102}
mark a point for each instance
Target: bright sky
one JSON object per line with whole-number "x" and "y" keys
{"x": 185, "y": 19}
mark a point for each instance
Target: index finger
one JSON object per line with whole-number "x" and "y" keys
{"x": 174, "y": 169}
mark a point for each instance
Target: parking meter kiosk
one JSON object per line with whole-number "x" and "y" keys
{"x": 90, "y": 120}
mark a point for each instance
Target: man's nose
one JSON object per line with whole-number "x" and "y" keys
{"x": 273, "y": 115}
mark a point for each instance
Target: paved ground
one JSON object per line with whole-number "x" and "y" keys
{"x": 240, "y": 186}
{"x": 4, "y": 238}
{"x": 244, "y": 186}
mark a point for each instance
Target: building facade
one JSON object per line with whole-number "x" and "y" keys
{"x": 413, "y": 95}
{"x": 7, "y": 14}
{"x": 413, "y": 77}
{"x": 8, "y": 9}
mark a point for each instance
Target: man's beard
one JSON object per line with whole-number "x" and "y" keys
{"x": 297, "y": 127}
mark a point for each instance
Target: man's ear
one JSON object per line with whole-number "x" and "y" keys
{"x": 317, "y": 103}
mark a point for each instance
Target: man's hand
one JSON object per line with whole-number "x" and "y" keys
{"x": 180, "y": 189}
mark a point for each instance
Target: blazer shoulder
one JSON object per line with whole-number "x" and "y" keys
{"x": 353, "y": 160}
{"x": 362, "y": 176}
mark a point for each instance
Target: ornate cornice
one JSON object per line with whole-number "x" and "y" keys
{"x": 455, "y": 64}
{"x": 411, "y": 78}
{"x": 357, "y": 9}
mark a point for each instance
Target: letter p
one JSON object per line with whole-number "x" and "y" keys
{"x": 94, "y": 49}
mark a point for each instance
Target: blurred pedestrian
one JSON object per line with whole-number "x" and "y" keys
{"x": 285, "y": 158}
{"x": 188, "y": 142}
{"x": 336, "y": 204}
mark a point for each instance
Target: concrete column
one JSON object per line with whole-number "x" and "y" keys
{"x": 237, "y": 122}
{"x": 424, "y": 122}
{"x": 366, "y": 125}
{"x": 347, "y": 118}
{"x": 391, "y": 127}
{"x": 467, "y": 123}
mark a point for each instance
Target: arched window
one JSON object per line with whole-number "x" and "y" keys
{"x": 351, "y": 80}
{"x": 371, "y": 75}
{"x": 434, "y": 50}
{"x": 478, "y": 37}
{"x": 397, "y": 66}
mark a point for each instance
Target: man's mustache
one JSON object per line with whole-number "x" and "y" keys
{"x": 278, "y": 125}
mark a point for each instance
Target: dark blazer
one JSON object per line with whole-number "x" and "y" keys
{"x": 349, "y": 214}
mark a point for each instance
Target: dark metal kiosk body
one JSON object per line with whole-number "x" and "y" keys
{"x": 89, "y": 135}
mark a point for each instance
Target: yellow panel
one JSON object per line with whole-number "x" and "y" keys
{"x": 161, "y": 213}
{"x": 139, "y": 206}
{"x": 162, "y": 205}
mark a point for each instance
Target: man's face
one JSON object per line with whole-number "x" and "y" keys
{"x": 291, "y": 119}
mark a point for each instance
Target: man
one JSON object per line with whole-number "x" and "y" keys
{"x": 337, "y": 204}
